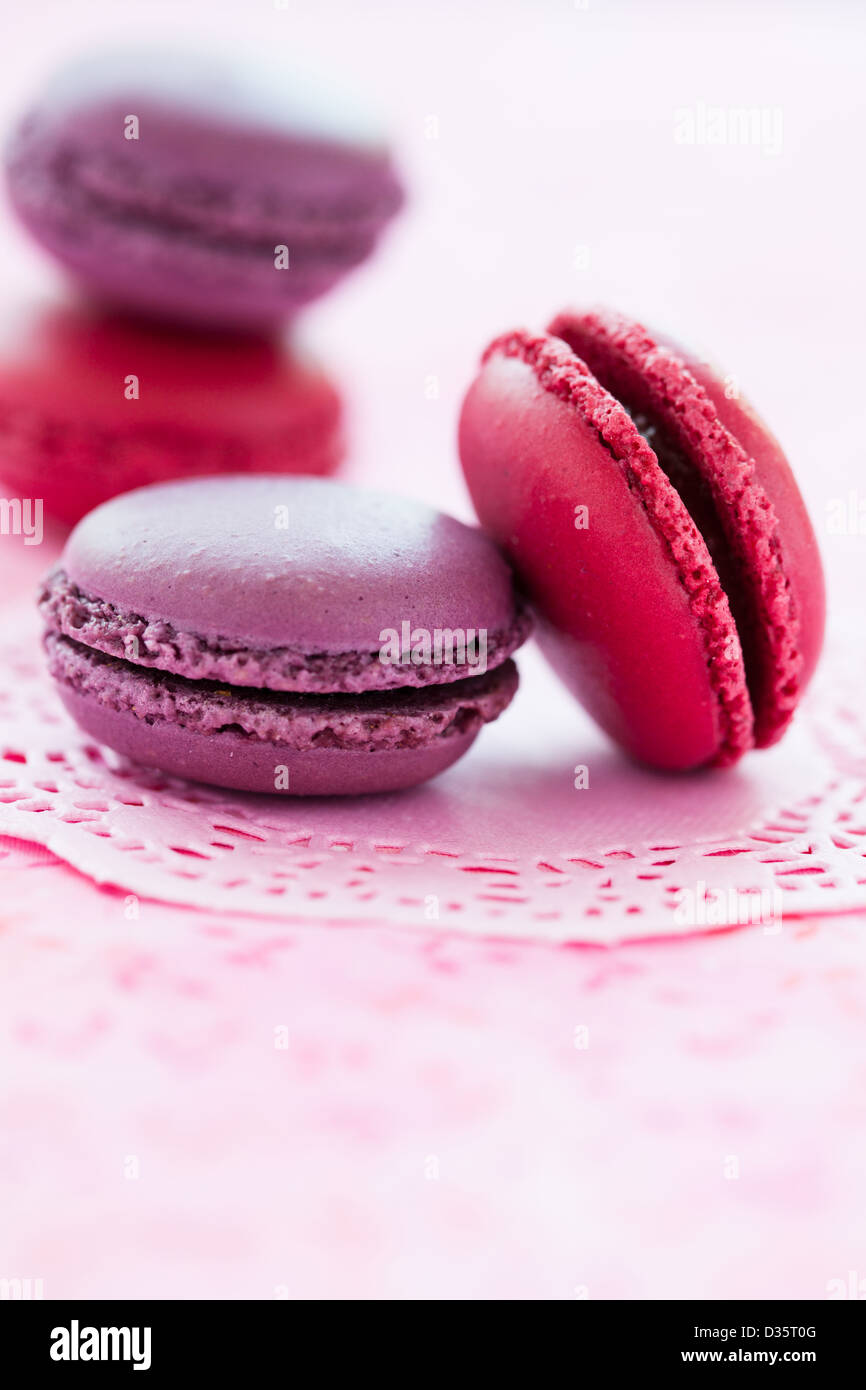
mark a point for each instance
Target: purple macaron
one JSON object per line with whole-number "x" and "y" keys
{"x": 289, "y": 635}
{"x": 198, "y": 189}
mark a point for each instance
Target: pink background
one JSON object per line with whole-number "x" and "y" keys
{"x": 431, "y": 1129}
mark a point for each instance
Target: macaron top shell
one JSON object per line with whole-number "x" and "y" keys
{"x": 649, "y": 646}
{"x": 287, "y": 583}
{"x": 217, "y": 145}
{"x": 773, "y": 475}
{"x": 249, "y": 96}
{"x": 92, "y": 405}
{"x": 750, "y": 512}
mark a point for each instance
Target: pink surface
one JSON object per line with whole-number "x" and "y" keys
{"x": 369, "y": 1114}
{"x": 436, "y": 1123}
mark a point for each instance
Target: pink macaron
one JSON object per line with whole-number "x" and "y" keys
{"x": 95, "y": 404}
{"x": 658, "y": 530}
{"x": 288, "y": 635}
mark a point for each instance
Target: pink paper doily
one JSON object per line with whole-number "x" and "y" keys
{"x": 503, "y": 845}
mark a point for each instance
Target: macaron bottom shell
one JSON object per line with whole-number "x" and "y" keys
{"x": 276, "y": 742}
{"x": 232, "y": 760}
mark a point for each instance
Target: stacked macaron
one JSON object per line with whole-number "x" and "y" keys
{"x": 199, "y": 195}
{"x": 260, "y": 633}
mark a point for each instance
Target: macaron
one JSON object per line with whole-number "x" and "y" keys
{"x": 288, "y": 635}
{"x": 658, "y": 530}
{"x": 94, "y": 404}
{"x": 200, "y": 189}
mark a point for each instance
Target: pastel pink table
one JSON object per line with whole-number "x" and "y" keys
{"x": 204, "y": 1102}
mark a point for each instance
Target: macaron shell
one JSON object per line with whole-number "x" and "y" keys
{"x": 370, "y": 723}
{"x": 230, "y": 760}
{"x": 158, "y": 646}
{"x": 803, "y": 565}
{"x": 264, "y": 562}
{"x": 186, "y": 218}
{"x": 657, "y": 665}
{"x": 93, "y": 405}
{"x": 241, "y": 97}
{"x": 760, "y": 528}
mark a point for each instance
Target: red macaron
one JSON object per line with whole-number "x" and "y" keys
{"x": 658, "y": 530}
{"x": 93, "y": 404}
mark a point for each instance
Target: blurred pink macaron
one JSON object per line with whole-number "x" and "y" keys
{"x": 93, "y": 404}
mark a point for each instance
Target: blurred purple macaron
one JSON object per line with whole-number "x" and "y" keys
{"x": 200, "y": 189}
